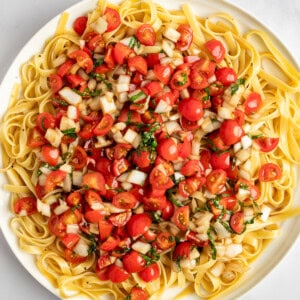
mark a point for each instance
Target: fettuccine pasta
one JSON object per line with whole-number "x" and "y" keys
{"x": 215, "y": 242}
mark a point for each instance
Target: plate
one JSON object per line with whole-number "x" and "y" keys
{"x": 274, "y": 253}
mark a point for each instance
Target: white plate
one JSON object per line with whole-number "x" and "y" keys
{"x": 274, "y": 253}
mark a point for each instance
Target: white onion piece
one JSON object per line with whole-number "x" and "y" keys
{"x": 43, "y": 208}
{"x": 81, "y": 248}
{"x": 141, "y": 247}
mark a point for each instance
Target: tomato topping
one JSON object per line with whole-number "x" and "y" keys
{"x": 121, "y": 53}
{"x": 220, "y": 160}
{"x": 120, "y": 166}
{"x": 231, "y": 132}
{"x": 226, "y": 75}
{"x": 124, "y": 200}
{"x": 191, "y": 109}
{"x": 167, "y": 149}
{"x": 53, "y": 179}
{"x": 216, "y": 50}
{"x": 79, "y": 25}
{"x": 112, "y": 18}
{"x": 199, "y": 81}
{"x": 239, "y": 116}
{"x": 154, "y": 203}
{"x": 25, "y": 206}
{"x": 153, "y": 88}
{"x": 56, "y": 226}
{"x": 165, "y": 240}
{"x": 79, "y": 158}
{"x": 159, "y": 180}
{"x": 269, "y": 172}
{"x": 142, "y": 159}
{"x": 180, "y": 80}
{"x": 191, "y": 168}
{"x": 55, "y": 82}
{"x": 121, "y": 219}
{"x": 138, "y": 63}
{"x": 104, "y": 126}
{"x": 237, "y": 222}
{"x": 163, "y": 72}
{"x": 94, "y": 180}
{"x": 138, "y": 293}
{"x": 117, "y": 274}
{"x": 150, "y": 273}
{"x": 133, "y": 262}
{"x": 83, "y": 59}
{"x": 96, "y": 43}
{"x": 146, "y": 35}
{"x": 50, "y": 155}
{"x": 186, "y": 37}
{"x": 215, "y": 181}
{"x": 110, "y": 243}
{"x": 74, "y": 258}
{"x": 70, "y": 240}
{"x": 266, "y": 144}
{"x": 182, "y": 251}
{"x": 181, "y": 217}
{"x": 253, "y": 103}
{"x": 138, "y": 224}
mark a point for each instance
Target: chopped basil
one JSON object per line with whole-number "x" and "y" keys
{"x": 171, "y": 197}
{"x": 137, "y": 96}
{"x": 60, "y": 102}
{"x": 70, "y": 132}
{"x": 151, "y": 257}
{"x": 183, "y": 80}
{"x": 134, "y": 42}
{"x": 254, "y": 136}
{"x": 102, "y": 79}
{"x": 243, "y": 186}
{"x": 98, "y": 62}
{"x": 235, "y": 86}
{"x": 212, "y": 243}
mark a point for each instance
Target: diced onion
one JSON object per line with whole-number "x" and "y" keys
{"x": 265, "y": 210}
{"x": 43, "y": 208}
{"x": 81, "y": 248}
{"x": 137, "y": 177}
{"x": 141, "y": 247}
{"x": 70, "y": 96}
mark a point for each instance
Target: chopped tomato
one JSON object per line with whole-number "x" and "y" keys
{"x": 163, "y": 72}
{"x": 121, "y": 53}
{"x": 205, "y": 156}
{"x": 56, "y": 226}
{"x": 138, "y": 293}
{"x": 74, "y": 258}
{"x": 79, "y": 158}
{"x": 253, "y": 103}
{"x": 146, "y": 35}
{"x": 150, "y": 273}
{"x": 97, "y": 43}
{"x": 204, "y": 66}
{"x": 70, "y": 240}
{"x": 25, "y": 206}
{"x": 105, "y": 229}
{"x": 188, "y": 186}
{"x": 229, "y": 202}
{"x": 239, "y": 116}
{"x": 159, "y": 180}
{"x": 45, "y": 121}
{"x": 167, "y": 149}
{"x": 79, "y": 24}
{"x": 189, "y": 125}
{"x": 93, "y": 199}
{"x": 104, "y": 126}
{"x": 142, "y": 158}
{"x": 191, "y": 168}
{"x": 203, "y": 96}
{"x": 87, "y": 131}
{"x": 167, "y": 211}
{"x": 186, "y": 37}
{"x": 75, "y": 80}
{"x": 117, "y": 274}
{"x": 199, "y": 80}
{"x": 102, "y": 274}
{"x": 215, "y": 181}
{"x": 50, "y": 155}
{"x": 165, "y": 240}
{"x": 94, "y": 180}
{"x": 226, "y": 76}
{"x": 71, "y": 216}
{"x": 74, "y": 198}
{"x": 191, "y": 109}
{"x": 138, "y": 63}
{"x": 237, "y": 222}
{"x": 220, "y": 160}
{"x": 121, "y": 150}
{"x": 83, "y": 59}
{"x": 216, "y": 49}
{"x": 121, "y": 219}
{"x": 269, "y": 172}
{"x": 182, "y": 251}
{"x": 153, "y": 88}
{"x": 154, "y": 203}
{"x": 120, "y": 166}
{"x": 109, "y": 57}
{"x": 138, "y": 224}
{"x": 124, "y": 200}
{"x": 216, "y": 143}
{"x": 134, "y": 262}
{"x": 180, "y": 80}
{"x": 195, "y": 240}
{"x": 266, "y": 144}
{"x": 103, "y": 165}
{"x": 53, "y": 179}
{"x": 55, "y": 82}
{"x": 112, "y": 18}
{"x": 185, "y": 148}
{"x": 181, "y": 217}
{"x": 110, "y": 243}
{"x": 153, "y": 59}
{"x": 231, "y": 132}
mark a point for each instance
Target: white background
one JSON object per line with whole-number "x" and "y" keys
{"x": 19, "y": 20}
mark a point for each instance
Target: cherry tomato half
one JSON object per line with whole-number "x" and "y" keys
{"x": 25, "y": 206}
{"x": 124, "y": 200}
{"x": 146, "y": 35}
{"x": 181, "y": 217}
{"x": 269, "y": 172}
{"x": 231, "y": 132}
{"x": 79, "y": 25}
{"x": 117, "y": 274}
{"x": 113, "y": 19}
{"x": 267, "y": 144}
{"x": 186, "y": 37}
{"x": 226, "y": 76}
{"x": 138, "y": 224}
{"x": 133, "y": 262}
{"x": 253, "y": 103}
{"x": 167, "y": 149}
{"x": 150, "y": 273}
{"x": 215, "y": 181}
{"x": 191, "y": 109}
{"x": 216, "y": 49}
{"x": 237, "y": 222}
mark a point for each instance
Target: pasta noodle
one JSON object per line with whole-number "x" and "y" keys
{"x": 255, "y": 59}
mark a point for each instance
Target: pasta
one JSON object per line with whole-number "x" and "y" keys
{"x": 219, "y": 227}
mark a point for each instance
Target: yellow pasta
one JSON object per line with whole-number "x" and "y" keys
{"x": 215, "y": 268}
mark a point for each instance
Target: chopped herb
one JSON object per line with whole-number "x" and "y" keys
{"x": 227, "y": 227}
{"x": 102, "y": 79}
{"x": 156, "y": 217}
{"x": 212, "y": 243}
{"x": 137, "y": 96}
{"x": 235, "y": 86}
{"x": 98, "y": 62}
{"x": 171, "y": 238}
{"x": 152, "y": 257}
{"x": 75, "y": 207}
{"x": 39, "y": 172}
{"x": 52, "y": 168}
{"x": 171, "y": 197}
{"x": 128, "y": 297}
{"x": 92, "y": 238}
{"x": 243, "y": 186}
{"x": 207, "y": 96}
{"x": 60, "y": 102}
{"x": 70, "y": 132}
{"x": 134, "y": 42}
{"x": 183, "y": 79}
{"x": 65, "y": 156}
{"x": 254, "y": 136}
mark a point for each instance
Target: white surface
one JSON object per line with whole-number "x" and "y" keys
{"x": 20, "y": 20}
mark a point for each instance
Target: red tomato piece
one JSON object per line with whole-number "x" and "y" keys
{"x": 269, "y": 172}
{"x": 79, "y": 158}
{"x": 104, "y": 126}
{"x": 163, "y": 72}
{"x": 266, "y": 144}
{"x": 205, "y": 156}
{"x": 167, "y": 211}
{"x": 186, "y": 37}
{"x": 146, "y": 35}
{"x": 188, "y": 186}
{"x": 74, "y": 198}
{"x": 220, "y": 160}
{"x": 53, "y": 179}
{"x": 216, "y": 180}
{"x": 199, "y": 80}
{"x": 159, "y": 180}
{"x": 96, "y": 43}
{"x": 87, "y": 131}
{"x": 138, "y": 224}
{"x": 45, "y": 121}
{"x": 142, "y": 159}
{"x": 71, "y": 216}
{"x": 104, "y": 166}
{"x": 204, "y": 66}
{"x": 121, "y": 53}
{"x": 104, "y": 261}
{"x": 124, "y": 200}
{"x": 109, "y": 57}
{"x": 153, "y": 88}
{"x": 79, "y": 24}
{"x": 74, "y": 258}
{"x": 133, "y": 262}
{"x": 189, "y": 125}
{"x": 239, "y": 116}
{"x": 138, "y": 63}
{"x": 93, "y": 216}
{"x": 185, "y": 148}
{"x": 50, "y": 155}
{"x": 120, "y": 166}
{"x": 55, "y": 82}
{"x": 150, "y": 273}
{"x": 192, "y": 168}
{"x": 70, "y": 240}
{"x": 191, "y": 109}
{"x": 93, "y": 199}
{"x": 226, "y": 76}
{"x": 121, "y": 150}
{"x": 110, "y": 243}
{"x": 203, "y": 96}
{"x": 105, "y": 229}
{"x": 25, "y": 206}
{"x": 216, "y": 143}
{"x": 113, "y": 19}
{"x": 65, "y": 68}
{"x": 216, "y": 49}
{"x": 195, "y": 240}
{"x": 237, "y": 222}
{"x": 229, "y": 202}
{"x": 253, "y": 103}
{"x": 138, "y": 293}
{"x": 182, "y": 251}
{"x": 75, "y": 80}
{"x": 167, "y": 149}
{"x": 231, "y": 132}
{"x": 121, "y": 219}
{"x": 180, "y": 80}
{"x": 165, "y": 240}
{"x": 154, "y": 203}
{"x": 56, "y": 226}
{"x": 94, "y": 180}
{"x": 181, "y": 217}
{"x": 83, "y": 59}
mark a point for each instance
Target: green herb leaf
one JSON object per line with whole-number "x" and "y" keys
{"x": 212, "y": 243}
{"x": 70, "y": 132}
{"x": 235, "y": 86}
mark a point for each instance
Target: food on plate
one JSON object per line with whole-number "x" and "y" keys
{"x": 151, "y": 148}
